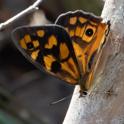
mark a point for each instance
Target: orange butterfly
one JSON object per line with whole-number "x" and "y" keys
{"x": 68, "y": 49}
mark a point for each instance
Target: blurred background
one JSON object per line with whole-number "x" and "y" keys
{"x": 26, "y": 92}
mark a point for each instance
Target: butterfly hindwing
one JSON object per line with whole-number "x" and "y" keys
{"x": 87, "y": 33}
{"x": 49, "y": 47}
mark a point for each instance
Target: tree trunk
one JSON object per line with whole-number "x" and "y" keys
{"x": 105, "y": 104}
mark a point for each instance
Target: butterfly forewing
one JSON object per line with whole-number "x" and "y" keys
{"x": 87, "y": 33}
{"x": 49, "y": 47}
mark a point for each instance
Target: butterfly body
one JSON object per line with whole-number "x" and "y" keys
{"x": 68, "y": 49}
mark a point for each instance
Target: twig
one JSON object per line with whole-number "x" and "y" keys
{"x": 30, "y": 9}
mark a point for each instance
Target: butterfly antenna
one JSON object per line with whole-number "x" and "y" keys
{"x": 61, "y": 100}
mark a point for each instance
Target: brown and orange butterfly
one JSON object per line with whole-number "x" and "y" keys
{"x": 68, "y": 49}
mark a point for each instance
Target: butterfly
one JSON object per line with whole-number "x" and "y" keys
{"x": 68, "y": 49}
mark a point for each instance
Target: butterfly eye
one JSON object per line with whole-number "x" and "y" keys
{"x": 89, "y": 32}
{"x": 30, "y": 46}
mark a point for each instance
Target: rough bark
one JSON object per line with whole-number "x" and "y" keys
{"x": 105, "y": 104}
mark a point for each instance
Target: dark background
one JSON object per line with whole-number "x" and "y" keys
{"x": 26, "y": 92}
